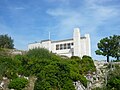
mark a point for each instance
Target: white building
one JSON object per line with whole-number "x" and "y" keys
{"x": 76, "y": 46}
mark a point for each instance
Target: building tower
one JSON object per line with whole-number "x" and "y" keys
{"x": 88, "y": 47}
{"x": 76, "y": 41}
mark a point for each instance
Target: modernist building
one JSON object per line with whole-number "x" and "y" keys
{"x": 76, "y": 46}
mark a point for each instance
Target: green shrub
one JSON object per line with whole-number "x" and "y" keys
{"x": 85, "y": 56}
{"x": 39, "y": 53}
{"x": 87, "y": 64}
{"x": 114, "y": 78}
{"x": 18, "y": 83}
{"x": 52, "y": 71}
{"x": 83, "y": 80}
{"x": 11, "y": 74}
{"x": 7, "y": 66}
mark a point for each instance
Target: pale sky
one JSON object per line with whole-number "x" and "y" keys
{"x": 27, "y": 21}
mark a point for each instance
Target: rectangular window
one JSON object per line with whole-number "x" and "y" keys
{"x": 72, "y": 44}
{"x": 65, "y": 46}
{"x": 61, "y": 46}
{"x": 57, "y": 47}
{"x": 68, "y": 46}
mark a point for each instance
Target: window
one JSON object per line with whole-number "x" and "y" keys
{"x": 61, "y": 47}
{"x": 57, "y": 47}
{"x": 68, "y": 46}
{"x": 65, "y": 46}
{"x": 71, "y": 44}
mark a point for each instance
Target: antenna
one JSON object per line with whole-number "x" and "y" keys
{"x": 49, "y": 35}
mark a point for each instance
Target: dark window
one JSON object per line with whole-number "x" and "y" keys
{"x": 72, "y": 44}
{"x": 68, "y": 46}
{"x": 57, "y": 47}
{"x": 65, "y": 46}
{"x": 61, "y": 46}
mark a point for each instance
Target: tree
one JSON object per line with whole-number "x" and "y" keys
{"x": 116, "y": 47}
{"x": 104, "y": 48}
{"x": 109, "y": 46}
{"x": 6, "y": 42}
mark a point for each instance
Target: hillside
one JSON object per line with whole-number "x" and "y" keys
{"x": 42, "y": 70}
{"x": 109, "y": 76}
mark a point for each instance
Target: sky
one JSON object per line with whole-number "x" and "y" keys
{"x": 27, "y": 21}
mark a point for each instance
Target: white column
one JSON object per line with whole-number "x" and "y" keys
{"x": 88, "y": 47}
{"x": 49, "y": 45}
{"x": 76, "y": 39}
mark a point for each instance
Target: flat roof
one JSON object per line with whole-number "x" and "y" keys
{"x": 56, "y": 40}
{"x": 34, "y": 42}
{"x": 45, "y": 40}
{"x": 62, "y": 40}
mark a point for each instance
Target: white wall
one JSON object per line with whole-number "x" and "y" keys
{"x": 76, "y": 39}
{"x": 46, "y": 44}
{"x": 34, "y": 45}
{"x": 66, "y": 52}
{"x": 88, "y": 45}
{"x": 80, "y": 46}
{"x": 83, "y": 47}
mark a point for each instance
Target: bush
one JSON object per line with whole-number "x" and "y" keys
{"x": 18, "y": 83}
{"x": 39, "y": 53}
{"x": 85, "y": 56}
{"x": 52, "y": 71}
{"x": 114, "y": 78}
{"x": 87, "y": 64}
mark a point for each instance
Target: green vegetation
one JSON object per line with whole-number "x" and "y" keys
{"x": 18, "y": 83}
{"x": 52, "y": 71}
{"x": 8, "y": 67}
{"x": 6, "y": 42}
{"x": 109, "y": 46}
{"x": 114, "y": 78}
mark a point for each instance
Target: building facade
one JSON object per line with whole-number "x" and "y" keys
{"x": 76, "y": 46}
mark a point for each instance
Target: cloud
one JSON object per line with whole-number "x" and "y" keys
{"x": 89, "y": 18}
{"x": 96, "y": 3}
{"x": 63, "y": 1}
{"x": 66, "y": 20}
{"x": 19, "y": 8}
{"x": 13, "y": 9}
{"x": 56, "y": 12}
{"x": 96, "y": 13}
